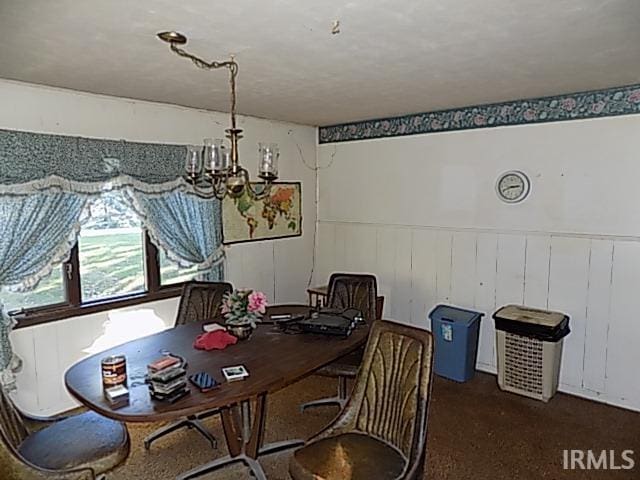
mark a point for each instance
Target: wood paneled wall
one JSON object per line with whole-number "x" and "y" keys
{"x": 591, "y": 278}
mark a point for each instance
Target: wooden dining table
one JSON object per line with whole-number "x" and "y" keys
{"x": 273, "y": 358}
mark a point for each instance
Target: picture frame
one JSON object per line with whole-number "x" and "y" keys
{"x": 277, "y": 216}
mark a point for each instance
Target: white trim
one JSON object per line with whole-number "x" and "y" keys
{"x": 583, "y": 393}
{"x": 542, "y": 233}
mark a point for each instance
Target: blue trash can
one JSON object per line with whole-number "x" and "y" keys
{"x": 455, "y": 331}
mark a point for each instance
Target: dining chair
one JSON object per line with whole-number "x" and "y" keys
{"x": 381, "y": 433}
{"x": 347, "y": 290}
{"x": 79, "y": 447}
{"x": 200, "y": 301}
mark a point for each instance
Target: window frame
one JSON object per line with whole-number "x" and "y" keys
{"x": 75, "y": 307}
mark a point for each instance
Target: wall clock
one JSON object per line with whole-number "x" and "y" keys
{"x": 513, "y": 186}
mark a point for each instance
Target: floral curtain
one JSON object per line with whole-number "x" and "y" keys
{"x": 31, "y": 162}
{"x": 38, "y": 231}
{"x": 188, "y": 228}
{"x": 45, "y": 183}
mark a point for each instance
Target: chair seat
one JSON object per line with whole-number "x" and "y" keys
{"x": 87, "y": 440}
{"x": 350, "y": 456}
{"x": 346, "y": 366}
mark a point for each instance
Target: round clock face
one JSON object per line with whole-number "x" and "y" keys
{"x": 513, "y": 186}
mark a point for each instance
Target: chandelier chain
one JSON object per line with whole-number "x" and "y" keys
{"x": 222, "y": 174}
{"x": 231, "y": 65}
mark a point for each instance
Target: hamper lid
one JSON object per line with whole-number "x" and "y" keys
{"x": 535, "y": 316}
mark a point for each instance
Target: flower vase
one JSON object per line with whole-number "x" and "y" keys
{"x": 241, "y": 332}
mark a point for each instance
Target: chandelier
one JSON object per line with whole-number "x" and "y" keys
{"x": 213, "y": 169}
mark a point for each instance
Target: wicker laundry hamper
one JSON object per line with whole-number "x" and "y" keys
{"x": 529, "y": 346}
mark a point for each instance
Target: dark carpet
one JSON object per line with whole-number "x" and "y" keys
{"x": 476, "y": 432}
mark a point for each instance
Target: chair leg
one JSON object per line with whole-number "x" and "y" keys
{"x": 198, "y": 425}
{"x": 189, "y": 422}
{"x": 339, "y": 400}
{"x": 161, "y": 432}
{"x": 343, "y": 394}
{"x": 255, "y": 468}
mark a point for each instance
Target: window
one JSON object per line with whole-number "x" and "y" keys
{"x": 111, "y": 250}
{"x": 113, "y": 264}
{"x": 49, "y": 291}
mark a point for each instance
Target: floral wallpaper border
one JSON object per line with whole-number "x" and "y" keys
{"x": 574, "y": 106}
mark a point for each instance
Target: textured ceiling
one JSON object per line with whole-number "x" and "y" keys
{"x": 389, "y": 58}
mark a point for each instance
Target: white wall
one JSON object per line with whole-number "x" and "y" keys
{"x": 280, "y": 268}
{"x": 48, "y": 350}
{"x": 422, "y": 214}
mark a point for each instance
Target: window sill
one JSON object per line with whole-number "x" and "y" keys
{"x": 60, "y": 312}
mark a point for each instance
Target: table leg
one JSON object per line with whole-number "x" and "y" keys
{"x": 244, "y": 433}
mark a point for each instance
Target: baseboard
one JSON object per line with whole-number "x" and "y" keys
{"x": 577, "y": 392}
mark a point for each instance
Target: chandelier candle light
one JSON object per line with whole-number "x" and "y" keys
{"x": 214, "y": 170}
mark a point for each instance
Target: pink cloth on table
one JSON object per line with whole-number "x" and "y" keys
{"x": 216, "y": 340}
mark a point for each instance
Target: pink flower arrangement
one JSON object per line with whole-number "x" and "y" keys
{"x": 257, "y": 302}
{"x": 244, "y": 307}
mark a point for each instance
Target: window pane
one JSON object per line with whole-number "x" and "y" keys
{"x": 171, "y": 272}
{"x": 111, "y": 250}
{"x": 48, "y": 292}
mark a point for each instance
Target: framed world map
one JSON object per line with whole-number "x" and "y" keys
{"x": 278, "y": 215}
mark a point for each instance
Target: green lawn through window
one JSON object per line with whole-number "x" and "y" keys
{"x": 111, "y": 264}
{"x": 111, "y": 254}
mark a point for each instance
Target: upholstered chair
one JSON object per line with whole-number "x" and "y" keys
{"x": 381, "y": 433}
{"x": 347, "y": 290}
{"x": 80, "y": 447}
{"x": 200, "y": 301}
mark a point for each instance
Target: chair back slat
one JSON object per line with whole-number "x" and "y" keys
{"x": 11, "y": 424}
{"x": 201, "y": 301}
{"x": 350, "y": 290}
{"x": 393, "y": 386}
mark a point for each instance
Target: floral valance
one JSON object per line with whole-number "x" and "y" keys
{"x": 36, "y": 161}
